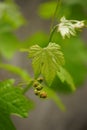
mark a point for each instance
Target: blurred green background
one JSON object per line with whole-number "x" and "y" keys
{"x": 24, "y": 23}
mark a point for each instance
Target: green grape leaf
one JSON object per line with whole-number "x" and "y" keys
{"x": 64, "y": 76}
{"x": 16, "y": 70}
{"x": 9, "y": 44}
{"x": 46, "y": 61}
{"x": 10, "y": 17}
{"x": 13, "y": 101}
{"x": 5, "y": 121}
{"x": 51, "y": 94}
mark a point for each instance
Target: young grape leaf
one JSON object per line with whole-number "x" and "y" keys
{"x": 46, "y": 61}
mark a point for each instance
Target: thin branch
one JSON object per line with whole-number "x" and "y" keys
{"x": 52, "y": 30}
{"x": 28, "y": 87}
{"x": 56, "y": 10}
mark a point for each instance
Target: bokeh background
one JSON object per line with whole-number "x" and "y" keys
{"x": 46, "y": 115}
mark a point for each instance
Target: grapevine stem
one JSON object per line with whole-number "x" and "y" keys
{"x": 52, "y": 24}
{"x": 52, "y": 32}
{"x": 28, "y": 86}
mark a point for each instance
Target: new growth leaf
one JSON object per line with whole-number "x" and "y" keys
{"x": 46, "y": 61}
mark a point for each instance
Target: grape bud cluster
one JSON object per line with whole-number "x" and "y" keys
{"x": 39, "y": 88}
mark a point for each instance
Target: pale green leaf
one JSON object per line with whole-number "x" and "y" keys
{"x": 46, "y": 61}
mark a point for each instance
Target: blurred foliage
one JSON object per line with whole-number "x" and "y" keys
{"x": 10, "y": 17}
{"x": 10, "y": 20}
{"x": 74, "y": 9}
{"x": 9, "y": 44}
{"x": 40, "y": 38}
{"x": 12, "y": 99}
{"x": 16, "y": 70}
{"x": 46, "y": 10}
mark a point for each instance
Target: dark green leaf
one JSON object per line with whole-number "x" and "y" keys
{"x": 61, "y": 87}
{"x": 12, "y": 100}
{"x": 64, "y": 76}
{"x": 5, "y": 121}
{"x": 63, "y": 82}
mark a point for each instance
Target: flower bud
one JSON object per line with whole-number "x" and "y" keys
{"x": 43, "y": 94}
{"x": 40, "y": 79}
{"x": 35, "y": 84}
{"x": 36, "y": 92}
{"x": 39, "y": 87}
